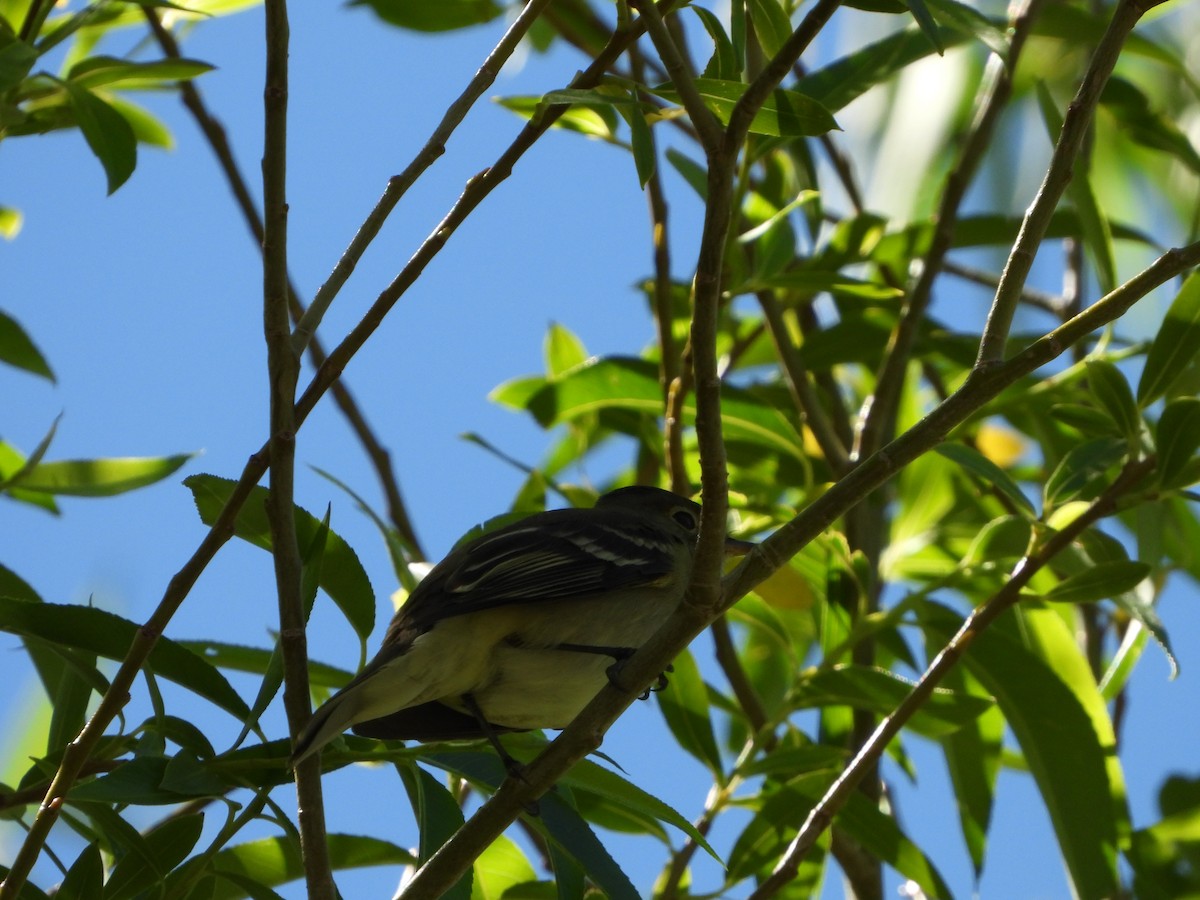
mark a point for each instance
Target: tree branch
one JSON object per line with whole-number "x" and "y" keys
{"x": 1076, "y": 124}
{"x": 1008, "y": 596}
{"x": 993, "y": 99}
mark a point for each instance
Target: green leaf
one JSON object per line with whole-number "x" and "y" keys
{"x": 256, "y": 660}
{"x": 438, "y": 817}
{"x": 147, "y": 128}
{"x": 986, "y": 471}
{"x": 973, "y": 760}
{"x": 585, "y": 776}
{"x": 784, "y": 114}
{"x": 1102, "y": 581}
{"x": 693, "y": 173}
{"x": 812, "y": 281}
{"x": 1048, "y": 696}
{"x": 846, "y": 79}
{"x": 723, "y": 64}
{"x": 19, "y": 351}
{"x": 592, "y": 778}
{"x": 632, "y": 384}
{"x": 1177, "y": 438}
{"x": 643, "y": 145}
{"x": 882, "y": 691}
{"x": 501, "y": 866}
{"x": 275, "y": 861}
{"x": 1094, "y": 227}
{"x": 342, "y": 575}
{"x": 107, "y": 133}
{"x": 771, "y": 24}
{"x": 684, "y": 704}
{"x": 1138, "y": 121}
{"x": 566, "y": 828}
{"x": 10, "y": 222}
{"x": 168, "y": 845}
{"x": 1174, "y": 346}
{"x": 110, "y": 636}
{"x": 99, "y": 477}
{"x": 16, "y": 60}
{"x": 590, "y": 113}
{"x": 421, "y": 15}
{"x": 98, "y": 71}
{"x": 563, "y": 350}
{"x": 920, "y": 13}
{"x": 1081, "y": 468}
{"x": 85, "y": 878}
{"x": 881, "y": 835}
{"x": 1112, "y": 391}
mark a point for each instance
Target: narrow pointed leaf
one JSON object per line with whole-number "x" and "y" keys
{"x": 19, "y": 351}
{"x": 108, "y": 635}
{"x": 342, "y": 576}
{"x": 1174, "y": 346}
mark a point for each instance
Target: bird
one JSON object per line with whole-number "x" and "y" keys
{"x": 518, "y": 629}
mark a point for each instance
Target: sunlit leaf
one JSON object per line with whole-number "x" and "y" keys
{"x": 1063, "y": 729}
{"x": 785, "y": 113}
{"x": 1174, "y": 346}
{"x": 1111, "y": 389}
{"x": 881, "y": 691}
{"x": 10, "y": 222}
{"x": 1100, "y": 582}
{"x": 100, "y": 477}
{"x": 723, "y": 64}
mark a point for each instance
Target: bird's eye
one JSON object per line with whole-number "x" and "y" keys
{"x": 685, "y": 519}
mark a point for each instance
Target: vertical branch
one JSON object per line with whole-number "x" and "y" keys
{"x": 283, "y": 367}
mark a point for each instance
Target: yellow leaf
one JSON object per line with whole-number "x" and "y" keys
{"x": 1003, "y": 446}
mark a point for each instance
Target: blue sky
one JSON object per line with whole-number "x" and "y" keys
{"x": 147, "y": 304}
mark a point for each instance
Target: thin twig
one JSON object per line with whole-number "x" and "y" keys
{"x": 1005, "y": 598}
{"x": 992, "y": 100}
{"x": 214, "y": 133}
{"x": 1076, "y": 123}
{"x": 398, "y": 185}
{"x": 981, "y": 386}
{"x": 584, "y": 734}
{"x": 706, "y": 124}
{"x": 117, "y": 695}
{"x": 776, "y": 69}
{"x": 804, "y": 395}
{"x": 1055, "y": 305}
{"x": 283, "y": 369}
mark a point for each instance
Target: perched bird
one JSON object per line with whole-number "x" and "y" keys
{"x": 517, "y": 629}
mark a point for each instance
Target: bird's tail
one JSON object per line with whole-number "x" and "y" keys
{"x": 334, "y": 717}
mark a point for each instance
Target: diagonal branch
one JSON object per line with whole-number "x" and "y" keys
{"x": 1076, "y": 124}
{"x": 993, "y": 99}
{"x": 214, "y": 133}
{"x": 822, "y": 815}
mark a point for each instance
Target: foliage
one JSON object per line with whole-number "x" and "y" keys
{"x": 969, "y": 526}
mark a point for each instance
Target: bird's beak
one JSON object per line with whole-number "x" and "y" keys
{"x": 735, "y": 547}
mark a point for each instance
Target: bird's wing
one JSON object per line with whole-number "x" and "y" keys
{"x": 527, "y": 564}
